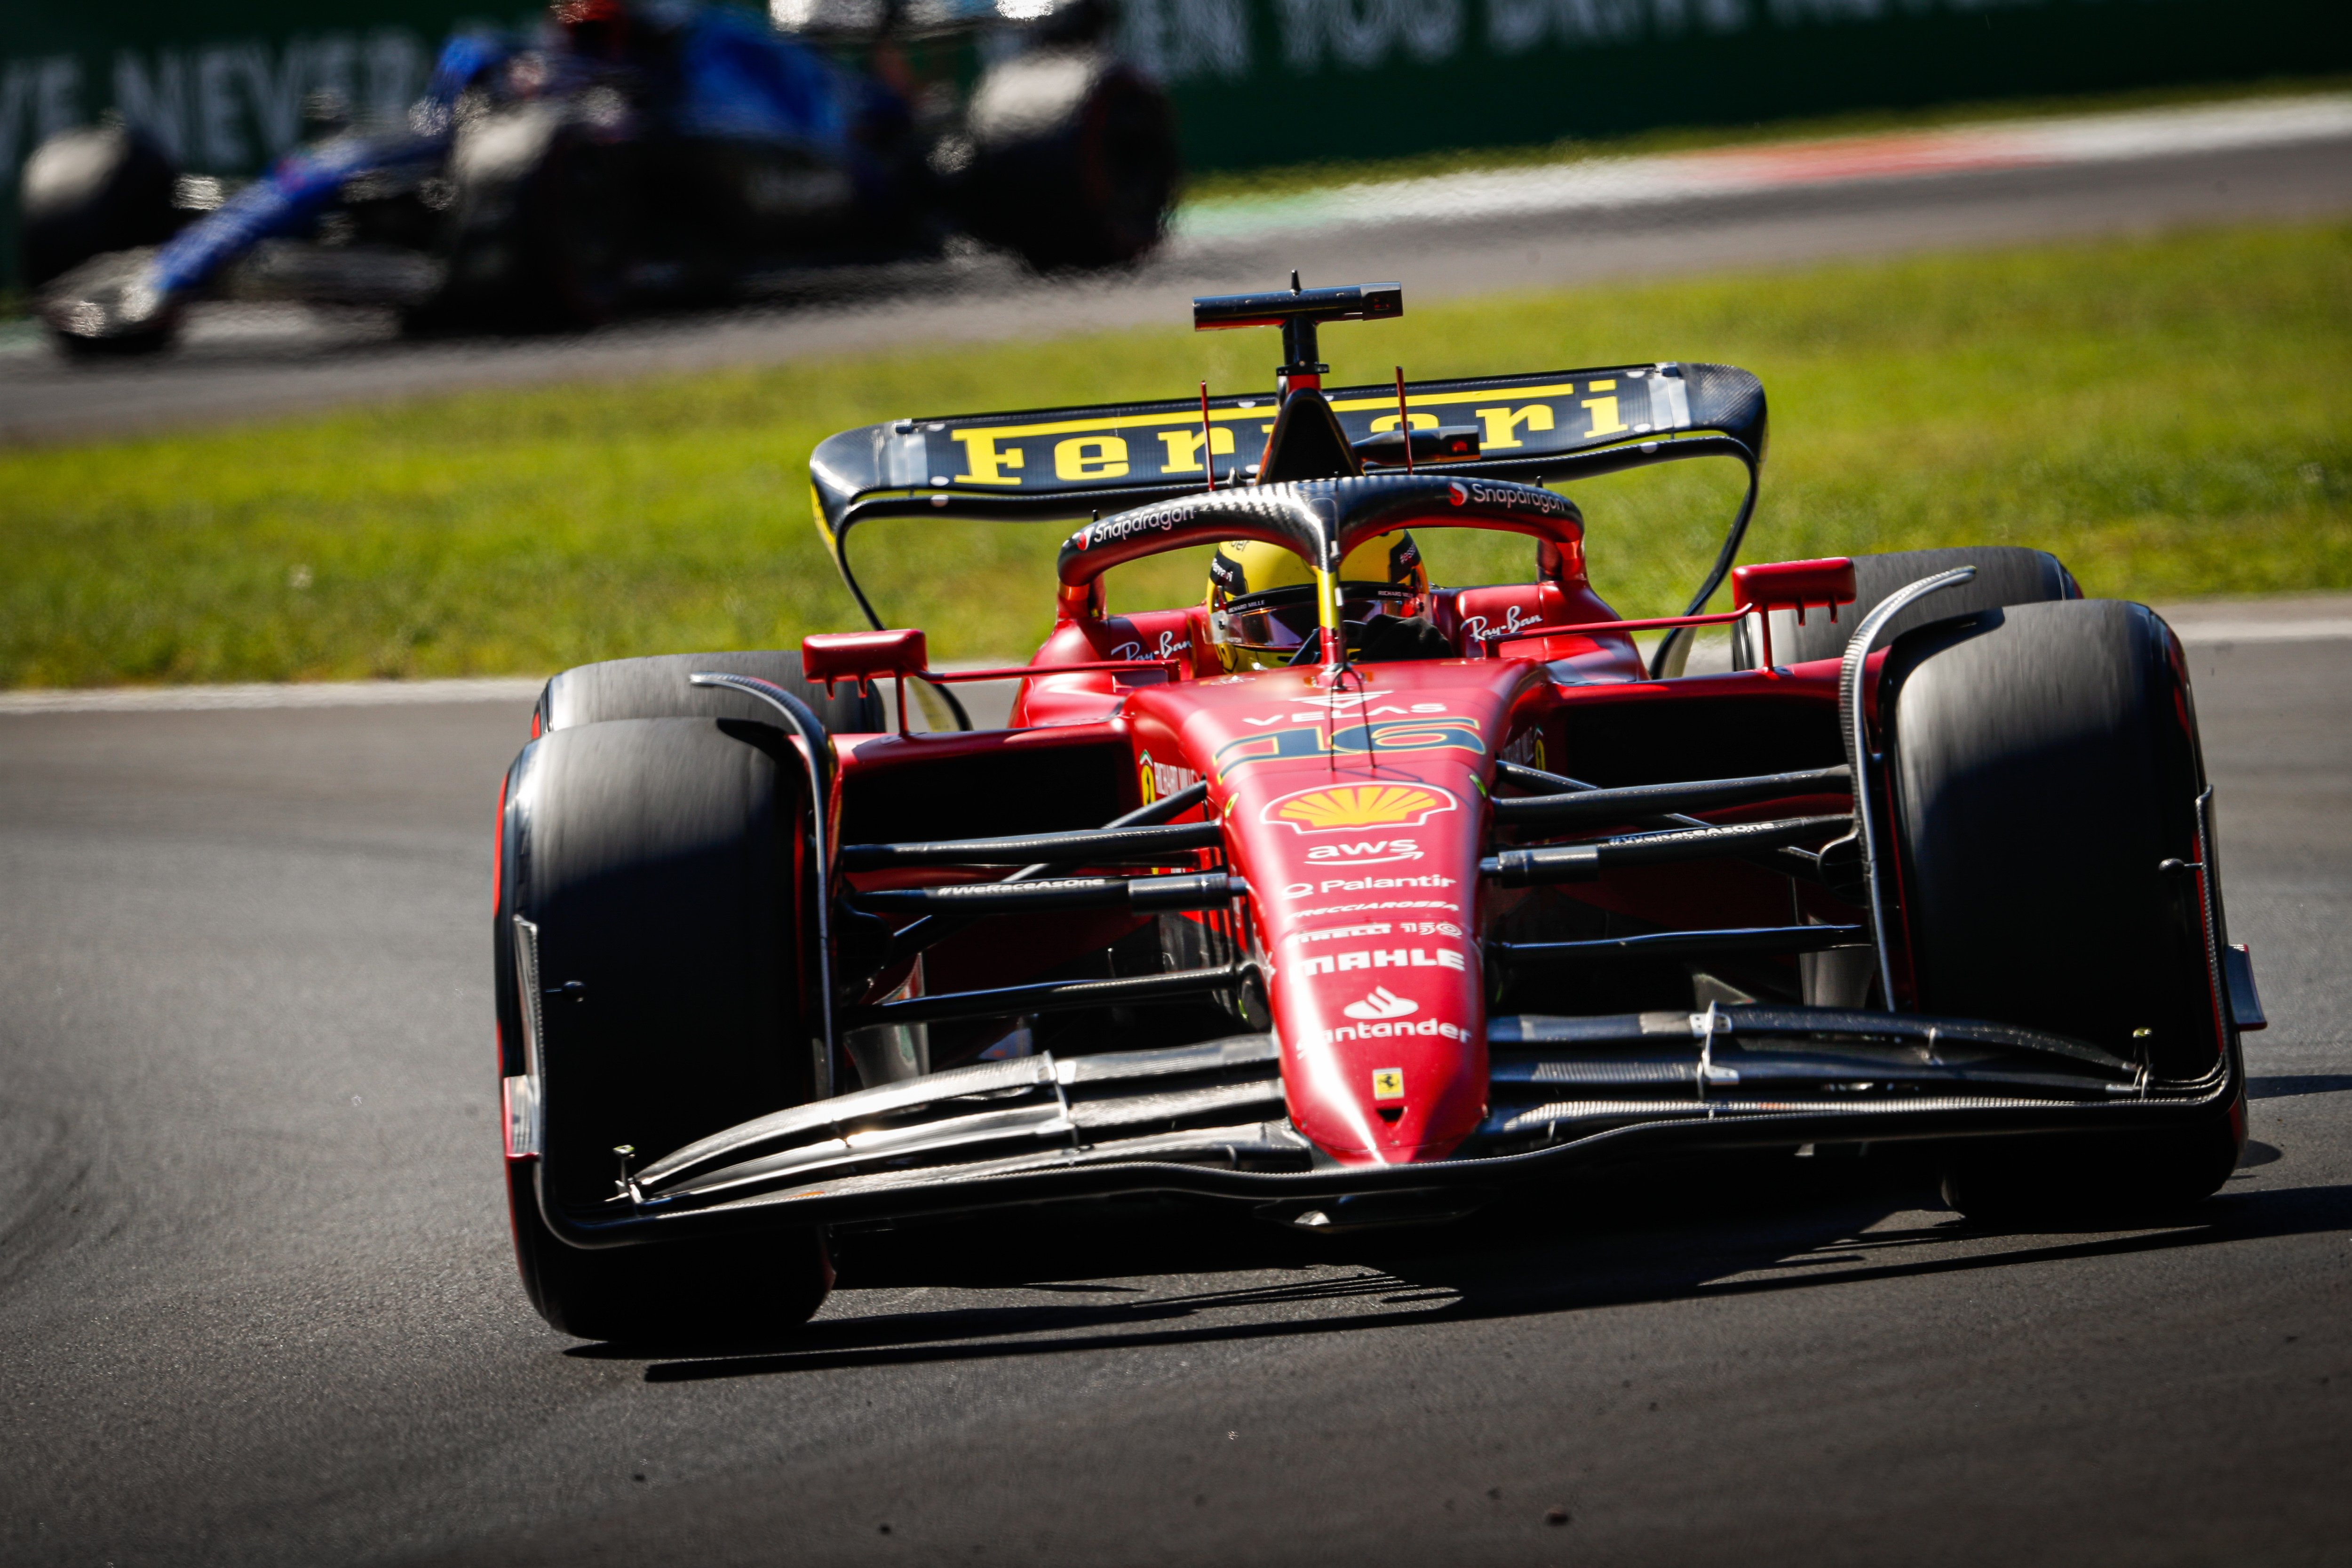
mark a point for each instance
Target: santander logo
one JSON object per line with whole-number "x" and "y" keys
{"x": 1382, "y": 1002}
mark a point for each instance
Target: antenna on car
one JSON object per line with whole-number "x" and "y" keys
{"x": 1208, "y": 439}
{"x": 1298, "y": 312}
{"x": 1404, "y": 420}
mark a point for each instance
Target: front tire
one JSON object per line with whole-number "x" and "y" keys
{"x": 660, "y": 871}
{"x": 2045, "y": 768}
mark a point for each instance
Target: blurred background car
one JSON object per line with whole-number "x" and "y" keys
{"x": 630, "y": 152}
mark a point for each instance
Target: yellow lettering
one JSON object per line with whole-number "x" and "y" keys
{"x": 1090, "y": 457}
{"x": 1184, "y": 449}
{"x": 981, "y": 455}
{"x": 1419, "y": 422}
{"x": 1604, "y": 410}
{"x": 1502, "y": 424}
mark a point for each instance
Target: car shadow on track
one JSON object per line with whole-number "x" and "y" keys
{"x": 1724, "y": 1229}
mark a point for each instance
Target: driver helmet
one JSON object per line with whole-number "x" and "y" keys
{"x": 595, "y": 29}
{"x": 1262, "y": 597}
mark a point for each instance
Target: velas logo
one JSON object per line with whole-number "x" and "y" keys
{"x": 1458, "y": 493}
{"x": 1382, "y": 1004}
{"x": 1339, "y": 699}
{"x": 1340, "y": 808}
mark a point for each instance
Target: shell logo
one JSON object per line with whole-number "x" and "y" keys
{"x": 1336, "y": 808}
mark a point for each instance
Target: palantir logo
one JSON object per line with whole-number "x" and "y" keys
{"x": 1382, "y": 1002}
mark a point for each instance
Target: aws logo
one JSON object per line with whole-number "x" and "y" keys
{"x": 1365, "y": 852}
{"x": 1339, "y": 808}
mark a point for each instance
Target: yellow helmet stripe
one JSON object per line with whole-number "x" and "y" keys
{"x": 1327, "y": 604}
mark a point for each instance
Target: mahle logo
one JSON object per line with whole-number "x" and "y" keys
{"x": 1336, "y": 808}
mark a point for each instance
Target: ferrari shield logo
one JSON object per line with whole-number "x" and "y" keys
{"x": 1388, "y": 1083}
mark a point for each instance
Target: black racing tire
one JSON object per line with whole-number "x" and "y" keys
{"x": 88, "y": 192}
{"x": 541, "y": 226}
{"x": 88, "y": 311}
{"x": 2006, "y": 575}
{"x": 2043, "y": 765}
{"x": 657, "y": 687}
{"x": 662, "y": 865}
{"x": 1073, "y": 159}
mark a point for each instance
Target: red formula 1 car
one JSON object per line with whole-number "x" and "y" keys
{"x": 1347, "y": 897}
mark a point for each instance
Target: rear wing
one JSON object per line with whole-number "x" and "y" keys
{"x": 1057, "y": 463}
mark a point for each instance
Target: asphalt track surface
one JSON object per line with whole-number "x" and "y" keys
{"x": 250, "y": 360}
{"x": 257, "y": 1306}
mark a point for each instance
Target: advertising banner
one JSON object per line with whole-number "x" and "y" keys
{"x": 1257, "y": 82}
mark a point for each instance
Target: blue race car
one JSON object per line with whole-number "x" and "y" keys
{"x": 633, "y": 153}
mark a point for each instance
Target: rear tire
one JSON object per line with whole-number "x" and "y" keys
{"x": 2044, "y": 762}
{"x": 541, "y": 227}
{"x": 2006, "y": 575}
{"x": 664, "y": 864}
{"x": 1073, "y": 159}
{"x": 657, "y": 687}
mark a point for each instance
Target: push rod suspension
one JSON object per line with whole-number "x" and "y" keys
{"x": 1645, "y": 801}
{"x": 937, "y": 927}
{"x": 1092, "y": 845}
{"x": 1801, "y": 863}
{"x": 1049, "y": 996}
{"x": 1585, "y": 862}
{"x": 1143, "y": 895}
{"x": 1747, "y": 941}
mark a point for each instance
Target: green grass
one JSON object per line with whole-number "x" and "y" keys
{"x": 2173, "y": 417}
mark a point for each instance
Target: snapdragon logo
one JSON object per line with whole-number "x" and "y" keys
{"x": 1381, "y": 1003}
{"x": 1111, "y": 530}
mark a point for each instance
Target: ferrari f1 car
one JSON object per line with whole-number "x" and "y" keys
{"x": 1347, "y": 897}
{"x": 639, "y": 151}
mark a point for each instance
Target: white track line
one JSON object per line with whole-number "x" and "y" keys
{"x": 1596, "y": 183}
{"x": 2264, "y": 631}
{"x": 267, "y": 694}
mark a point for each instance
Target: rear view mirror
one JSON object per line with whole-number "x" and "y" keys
{"x": 861, "y": 656}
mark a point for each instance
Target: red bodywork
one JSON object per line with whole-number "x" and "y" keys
{"x": 1356, "y": 807}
